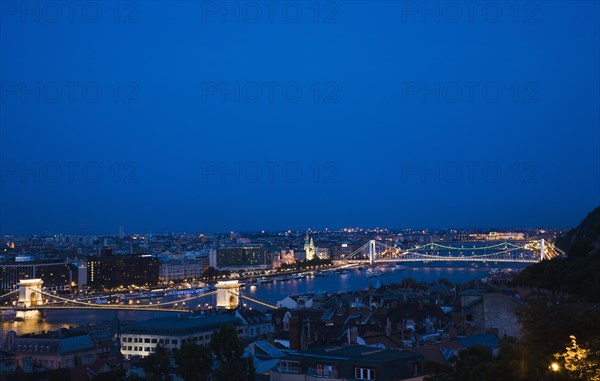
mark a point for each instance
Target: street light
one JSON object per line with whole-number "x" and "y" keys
{"x": 554, "y": 367}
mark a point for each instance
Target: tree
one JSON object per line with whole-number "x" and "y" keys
{"x": 438, "y": 372}
{"x": 194, "y": 362}
{"x": 409, "y": 283}
{"x": 157, "y": 364}
{"x": 472, "y": 363}
{"x": 229, "y": 354}
{"x": 580, "y": 363}
{"x": 212, "y": 273}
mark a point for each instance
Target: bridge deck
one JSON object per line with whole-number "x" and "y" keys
{"x": 442, "y": 259}
{"x": 97, "y": 307}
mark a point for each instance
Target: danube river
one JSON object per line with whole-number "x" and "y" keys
{"x": 267, "y": 292}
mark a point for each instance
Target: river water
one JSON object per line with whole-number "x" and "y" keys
{"x": 269, "y": 292}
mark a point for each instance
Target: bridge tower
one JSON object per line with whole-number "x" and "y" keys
{"x": 372, "y": 251}
{"x": 228, "y": 294}
{"x": 30, "y": 293}
{"x": 542, "y": 249}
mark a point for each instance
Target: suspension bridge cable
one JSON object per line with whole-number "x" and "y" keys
{"x": 258, "y": 301}
{"x": 64, "y": 299}
{"x": 468, "y": 248}
{"x": 180, "y": 301}
{"x": 466, "y": 258}
{"x": 143, "y": 306}
{"x": 239, "y": 294}
{"x": 10, "y": 293}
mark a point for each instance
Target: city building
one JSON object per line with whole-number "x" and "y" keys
{"x": 257, "y": 323}
{"x": 179, "y": 270}
{"x": 309, "y": 248}
{"x": 117, "y": 270}
{"x": 204, "y": 263}
{"x": 294, "y": 302}
{"x": 39, "y": 352}
{"x": 56, "y": 275}
{"x": 81, "y": 268}
{"x": 212, "y": 258}
{"x": 105, "y": 251}
{"x": 495, "y": 236}
{"x": 491, "y": 312}
{"x": 322, "y": 252}
{"x": 342, "y": 250}
{"x": 141, "y": 338}
{"x": 243, "y": 256}
{"x": 505, "y": 236}
{"x": 284, "y": 257}
{"x": 349, "y": 362}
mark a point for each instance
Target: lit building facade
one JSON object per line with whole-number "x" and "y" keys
{"x": 309, "y": 248}
{"x": 285, "y": 257}
{"x": 56, "y": 275}
{"x": 123, "y": 270}
{"x": 322, "y": 252}
{"x": 177, "y": 270}
{"x": 243, "y": 256}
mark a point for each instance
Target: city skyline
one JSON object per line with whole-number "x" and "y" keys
{"x": 117, "y": 232}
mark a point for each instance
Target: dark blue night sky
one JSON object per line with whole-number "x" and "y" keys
{"x": 209, "y": 116}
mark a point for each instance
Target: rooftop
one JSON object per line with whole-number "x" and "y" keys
{"x": 355, "y": 352}
{"x": 180, "y": 323}
{"x": 47, "y": 345}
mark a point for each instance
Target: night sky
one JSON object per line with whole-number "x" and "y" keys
{"x": 208, "y": 116}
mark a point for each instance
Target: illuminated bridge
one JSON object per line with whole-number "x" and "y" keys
{"x": 511, "y": 252}
{"x": 32, "y": 298}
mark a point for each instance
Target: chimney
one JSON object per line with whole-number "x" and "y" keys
{"x": 294, "y": 324}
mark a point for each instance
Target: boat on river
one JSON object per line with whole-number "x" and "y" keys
{"x": 374, "y": 272}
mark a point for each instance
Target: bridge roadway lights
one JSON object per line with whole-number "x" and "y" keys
{"x": 228, "y": 294}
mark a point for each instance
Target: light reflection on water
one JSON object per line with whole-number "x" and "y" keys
{"x": 57, "y": 319}
{"x": 270, "y": 292}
